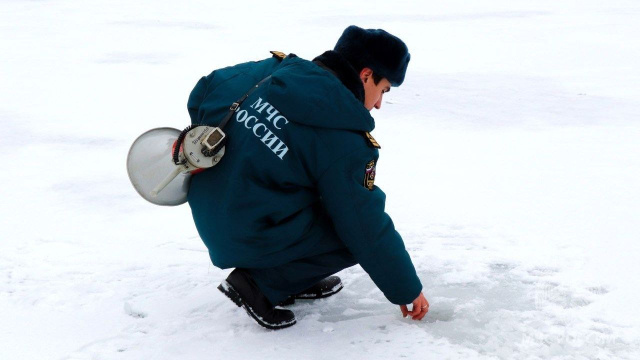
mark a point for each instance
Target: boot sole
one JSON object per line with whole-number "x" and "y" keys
{"x": 232, "y": 294}
{"x": 336, "y": 289}
{"x": 292, "y": 300}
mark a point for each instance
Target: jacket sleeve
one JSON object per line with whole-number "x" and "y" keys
{"x": 368, "y": 232}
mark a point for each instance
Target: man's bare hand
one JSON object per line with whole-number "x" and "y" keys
{"x": 419, "y": 309}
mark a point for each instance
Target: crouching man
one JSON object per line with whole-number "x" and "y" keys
{"x": 293, "y": 201}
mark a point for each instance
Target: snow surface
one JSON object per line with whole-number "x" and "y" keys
{"x": 510, "y": 158}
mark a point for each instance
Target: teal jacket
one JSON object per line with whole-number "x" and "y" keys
{"x": 297, "y": 174}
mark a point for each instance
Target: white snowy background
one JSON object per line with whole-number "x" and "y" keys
{"x": 510, "y": 157}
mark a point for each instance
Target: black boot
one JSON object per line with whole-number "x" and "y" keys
{"x": 325, "y": 288}
{"x": 243, "y": 291}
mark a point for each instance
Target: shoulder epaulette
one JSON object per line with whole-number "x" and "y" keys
{"x": 371, "y": 140}
{"x": 278, "y": 54}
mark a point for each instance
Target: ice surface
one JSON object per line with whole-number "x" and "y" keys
{"x": 509, "y": 158}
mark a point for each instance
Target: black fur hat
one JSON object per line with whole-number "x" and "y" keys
{"x": 376, "y": 49}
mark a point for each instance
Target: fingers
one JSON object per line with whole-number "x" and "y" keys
{"x": 420, "y": 308}
{"x": 424, "y": 309}
{"x": 415, "y": 309}
{"x": 418, "y": 312}
{"x": 421, "y": 313}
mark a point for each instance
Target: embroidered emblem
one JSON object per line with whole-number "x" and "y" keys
{"x": 372, "y": 141}
{"x": 278, "y": 54}
{"x": 370, "y": 174}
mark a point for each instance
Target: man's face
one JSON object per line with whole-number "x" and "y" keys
{"x": 373, "y": 93}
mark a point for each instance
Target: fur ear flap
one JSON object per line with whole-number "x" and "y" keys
{"x": 385, "y": 54}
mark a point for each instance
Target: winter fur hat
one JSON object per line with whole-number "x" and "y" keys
{"x": 376, "y": 49}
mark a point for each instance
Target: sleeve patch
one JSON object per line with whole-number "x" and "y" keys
{"x": 370, "y": 174}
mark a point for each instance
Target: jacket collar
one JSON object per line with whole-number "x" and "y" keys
{"x": 342, "y": 69}
{"x": 313, "y": 96}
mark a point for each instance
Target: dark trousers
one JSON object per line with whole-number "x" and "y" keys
{"x": 278, "y": 283}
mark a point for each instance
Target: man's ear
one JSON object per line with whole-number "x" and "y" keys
{"x": 365, "y": 74}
